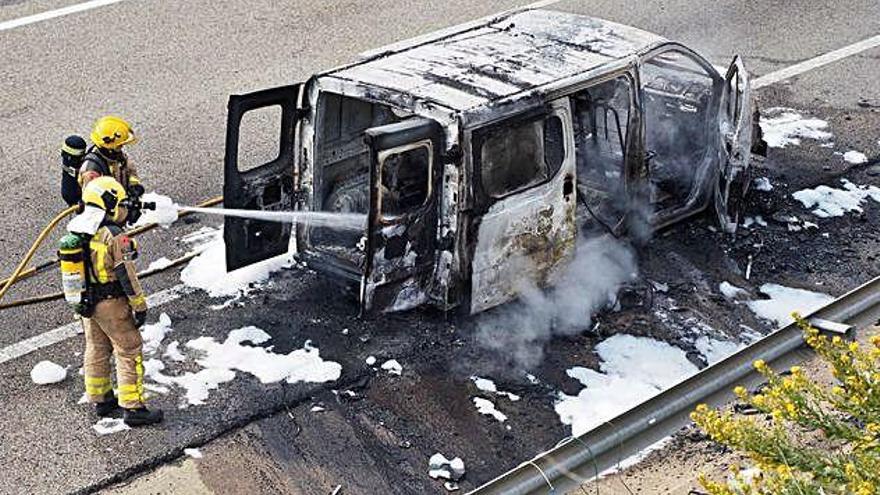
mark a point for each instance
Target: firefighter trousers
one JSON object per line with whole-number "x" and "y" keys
{"x": 111, "y": 330}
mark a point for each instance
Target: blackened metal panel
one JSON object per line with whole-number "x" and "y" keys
{"x": 267, "y": 187}
{"x": 401, "y": 250}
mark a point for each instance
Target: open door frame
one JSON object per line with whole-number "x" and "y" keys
{"x": 736, "y": 133}
{"x": 269, "y": 186}
{"x": 389, "y": 281}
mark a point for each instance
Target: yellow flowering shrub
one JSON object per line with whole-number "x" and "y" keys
{"x": 810, "y": 439}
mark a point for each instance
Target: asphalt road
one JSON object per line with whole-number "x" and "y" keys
{"x": 169, "y": 66}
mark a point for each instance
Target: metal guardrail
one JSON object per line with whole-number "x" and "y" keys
{"x": 576, "y": 460}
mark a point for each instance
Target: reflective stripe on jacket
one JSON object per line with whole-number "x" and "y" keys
{"x": 112, "y": 255}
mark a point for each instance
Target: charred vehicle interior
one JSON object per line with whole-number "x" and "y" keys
{"x": 479, "y": 155}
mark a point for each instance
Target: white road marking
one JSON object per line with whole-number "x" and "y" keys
{"x": 27, "y": 346}
{"x": 816, "y": 62}
{"x": 52, "y": 14}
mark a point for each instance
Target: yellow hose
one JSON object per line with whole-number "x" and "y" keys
{"x": 33, "y": 270}
{"x": 30, "y": 254}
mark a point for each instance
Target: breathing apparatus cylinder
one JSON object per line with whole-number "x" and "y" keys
{"x": 74, "y": 276}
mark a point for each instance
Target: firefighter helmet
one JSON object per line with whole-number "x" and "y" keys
{"x": 107, "y": 194}
{"x": 112, "y": 133}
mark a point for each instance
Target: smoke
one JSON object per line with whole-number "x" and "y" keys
{"x": 601, "y": 265}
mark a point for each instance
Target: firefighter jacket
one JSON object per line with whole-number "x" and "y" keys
{"x": 98, "y": 164}
{"x": 112, "y": 271}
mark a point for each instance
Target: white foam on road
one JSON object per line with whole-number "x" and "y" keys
{"x": 855, "y": 157}
{"x": 487, "y": 407}
{"x": 47, "y": 372}
{"x": 393, "y": 367}
{"x": 730, "y": 291}
{"x": 825, "y": 201}
{"x": 763, "y": 184}
{"x": 756, "y": 220}
{"x": 207, "y": 271}
{"x": 715, "y": 350}
{"x": 786, "y": 300}
{"x": 633, "y": 369}
{"x": 487, "y": 385}
{"x": 784, "y": 126}
{"x": 152, "y": 334}
{"x": 220, "y": 361}
{"x": 172, "y": 352}
{"x": 108, "y": 426}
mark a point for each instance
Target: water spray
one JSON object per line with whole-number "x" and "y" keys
{"x": 339, "y": 221}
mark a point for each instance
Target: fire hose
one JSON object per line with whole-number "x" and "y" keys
{"x": 20, "y": 273}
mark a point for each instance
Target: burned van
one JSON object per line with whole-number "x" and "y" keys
{"x": 480, "y": 153}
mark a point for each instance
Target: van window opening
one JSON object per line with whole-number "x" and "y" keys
{"x": 405, "y": 182}
{"x": 601, "y": 124}
{"x": 678, "y": 93}
{"x": 514, "y": 158}
{"x": 260, "y": 137}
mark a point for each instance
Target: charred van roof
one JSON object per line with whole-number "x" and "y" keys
{"x": 502, "y": 57}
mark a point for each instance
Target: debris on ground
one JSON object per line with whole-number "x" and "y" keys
{"x": 47, "y": 372}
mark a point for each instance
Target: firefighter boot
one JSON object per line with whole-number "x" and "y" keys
{"x": 142, "y": 417}
{"x": 108, "y": 406}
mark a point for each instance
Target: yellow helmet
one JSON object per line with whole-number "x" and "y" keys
{"x": 107, "y": 194}
{"x": 112, "y": 133}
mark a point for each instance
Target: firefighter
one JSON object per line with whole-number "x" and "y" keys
{"x": 107, "y": 158}
{"x": 119, "y": 306}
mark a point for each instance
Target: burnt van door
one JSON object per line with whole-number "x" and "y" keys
{"x": 736, "y": 131}
{"x": 259, "y": 172}
{"x": 525, "y": 169}
{"x": 401, "y": 239}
